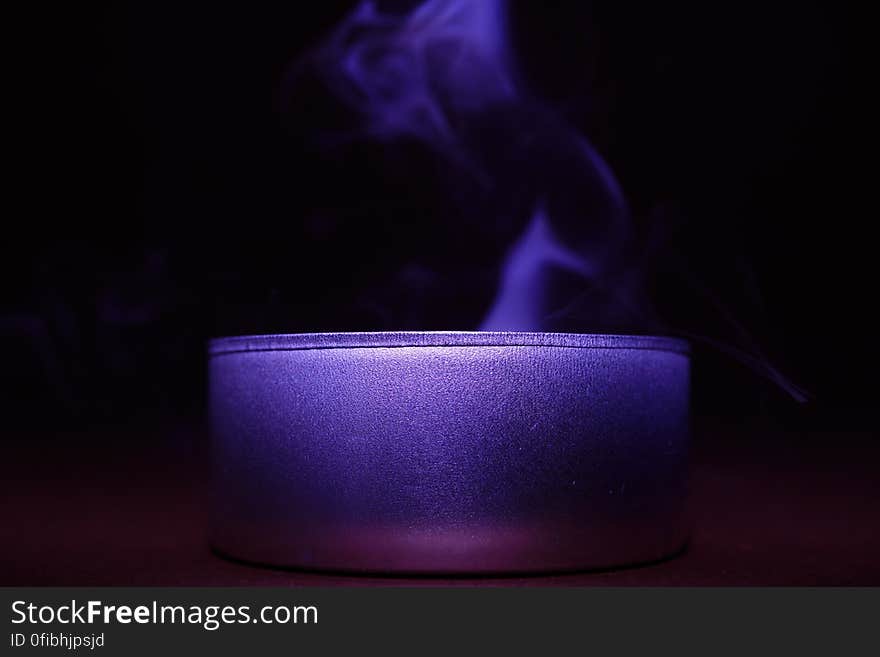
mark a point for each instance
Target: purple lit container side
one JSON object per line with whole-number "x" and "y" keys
{"x": 449, "y": 452}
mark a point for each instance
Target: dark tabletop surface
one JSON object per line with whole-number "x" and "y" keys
{"x": 128, "y": 508}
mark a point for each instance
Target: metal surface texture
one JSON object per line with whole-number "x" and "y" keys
{"x": 446, "y": 452}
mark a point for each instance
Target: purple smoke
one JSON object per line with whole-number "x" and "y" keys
{"x": 444, "y": 75}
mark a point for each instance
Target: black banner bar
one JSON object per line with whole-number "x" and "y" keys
{"x": 147, "y": 621}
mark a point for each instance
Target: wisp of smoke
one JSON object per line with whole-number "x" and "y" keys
{"x": 443, "y": 75}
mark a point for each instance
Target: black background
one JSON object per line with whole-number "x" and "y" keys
{"x": 163, "y": 191}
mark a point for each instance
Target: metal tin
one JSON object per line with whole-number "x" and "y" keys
{"x": 448, "y": 452}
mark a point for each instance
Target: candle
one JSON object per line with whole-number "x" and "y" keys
{"x": 449, "y": 452}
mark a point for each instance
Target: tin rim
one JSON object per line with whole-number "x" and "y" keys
{"x": 392, "y": 339}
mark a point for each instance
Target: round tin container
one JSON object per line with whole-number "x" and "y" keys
{"x": 448, "y": 452}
